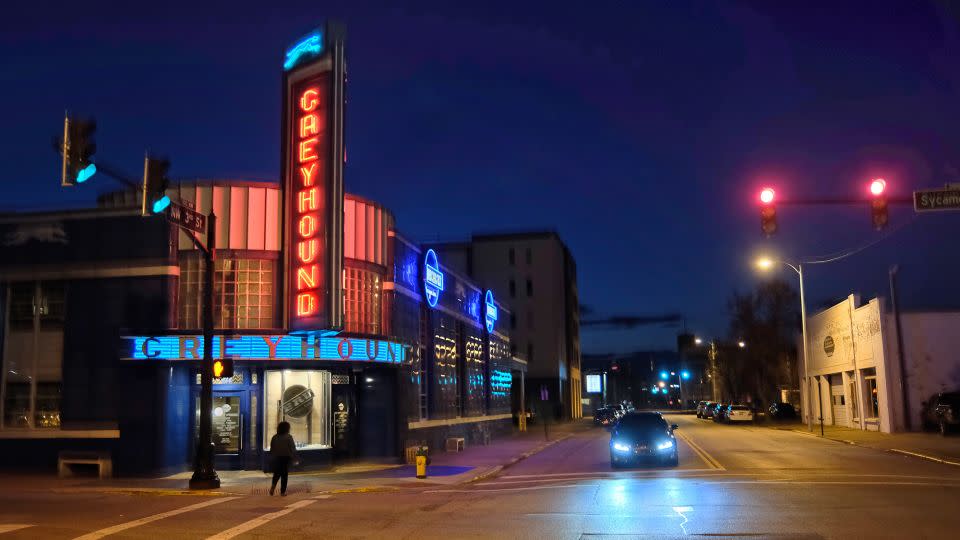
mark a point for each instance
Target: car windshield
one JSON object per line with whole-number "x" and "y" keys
{"x": 644, "y": 422}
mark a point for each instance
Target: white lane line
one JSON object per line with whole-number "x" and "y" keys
{"x": 143, "y": 521}
{"x": 618, "y": 473}
{"x": 258, "y": 521}
{"x": 10, "y": 527}
{"x": 924, "y": 456}
{"x": 531, "y": 488}
{"x": 322, "y": 496}
{"x": 703, "y": 454}
{"x": 838, "y": 483}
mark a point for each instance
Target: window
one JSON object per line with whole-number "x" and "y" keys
{"x": 529, "y": 287}
{"x": 513, "y": 289}
{"x": 302, "y": 398}
{"x": 872, "y": 395}
{"x": 361, "y": 304}
{"x": 33, "y": 356}
{"x": 529, "y": 256}
{"x": 512, "y": 256}
{"x": 243, "y": 293}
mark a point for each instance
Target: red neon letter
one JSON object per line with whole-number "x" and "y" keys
{"x": 309, "y": 125}
{"x": 308, "y": 174}
{"x": 307, "y": 279}
{"x": 307, "y": 200}
{"x": 307, "y": 251}
{"x": 306, "y": 304}
{"x": 308, "y": 100}
{"x": 307, "y": 150}
{"x": 308, "y": 226}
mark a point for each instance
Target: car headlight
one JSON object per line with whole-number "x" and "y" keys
{"x": 665, "y": 445}
{"x": 621, "y": 447}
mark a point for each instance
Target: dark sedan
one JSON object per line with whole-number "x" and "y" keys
{"x": 643, "y": 437}
{"x": 604, "y": 417}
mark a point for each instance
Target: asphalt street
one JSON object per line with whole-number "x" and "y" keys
{"x": 732, "y": 481}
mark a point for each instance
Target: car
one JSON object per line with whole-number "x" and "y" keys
{"x": 941, "y": 411}
{"x": 700, "y": 407}
{"x": 710, "y": 409}
{"x": 604, "y": 416}
{"x": 782, "y": 411}
{"x": 643, "y": 437}
{"x": 738, "y": 413}
{"x": 718, "y": 412}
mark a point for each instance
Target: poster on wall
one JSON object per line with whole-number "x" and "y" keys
{"x": 313, "y": 159}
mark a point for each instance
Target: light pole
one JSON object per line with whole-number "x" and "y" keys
{"x": 765, "y": 264}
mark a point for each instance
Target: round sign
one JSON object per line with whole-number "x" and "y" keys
{"x": 490, "y": 313}
{"x": 829, "y": 345}
{"x": 297, "y": 401}
{"x": 432, "y": 278}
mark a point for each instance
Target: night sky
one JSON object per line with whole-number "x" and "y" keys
{"x": 640, "y": 130}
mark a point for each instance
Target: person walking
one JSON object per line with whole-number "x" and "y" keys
{"x": 283, "y": 450}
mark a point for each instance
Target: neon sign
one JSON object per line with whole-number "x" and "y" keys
{"x": 309, "y": 46}
{"x": 490, "y": 314}
{"x": 432, "y": 278}
{"x": 260, "y": 347}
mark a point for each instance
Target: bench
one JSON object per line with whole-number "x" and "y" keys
{"x": 455, "y": 444}
{"x": 101, "y": 459}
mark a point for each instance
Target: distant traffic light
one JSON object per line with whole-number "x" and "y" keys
{"x": 77, "y": 149}
{"x": 768, "y": 212}
{"x": 223, "y": 368}
{"x": 155, "y": 184}
{"x": 878, "y": 205}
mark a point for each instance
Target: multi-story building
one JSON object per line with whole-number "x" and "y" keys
{"x": 536, "y": 275}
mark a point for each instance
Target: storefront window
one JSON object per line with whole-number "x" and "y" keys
{"x": 874, "y": 398}
{"x": 33, "y": 359}
{"x": 361, "y": 305}
{"x": 474, "y": 373}
{"x": 444, "y": 385}
{"x": 302, "y": 398}
{"x": 500, "y": 377}
{"x": 243, "y": 292}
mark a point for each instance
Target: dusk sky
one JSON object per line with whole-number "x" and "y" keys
{"x": 641, "y": 131}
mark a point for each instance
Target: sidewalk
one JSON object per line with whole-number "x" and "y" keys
{"x": 917, "y": 444}
{"x": 473, "y": 463}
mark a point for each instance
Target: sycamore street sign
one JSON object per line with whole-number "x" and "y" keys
{"x": 933, "y": 200}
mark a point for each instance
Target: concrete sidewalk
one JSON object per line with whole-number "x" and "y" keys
{"x": 922, "y": 445}
{"x": 473, "y": 463}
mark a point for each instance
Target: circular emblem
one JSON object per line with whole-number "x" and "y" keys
{"x": 829, "y": 345}
{"x": 490, "y": 313}
{"x": 432, "y": 278}
{"x": 297, "y": 401}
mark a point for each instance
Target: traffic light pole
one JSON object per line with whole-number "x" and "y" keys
{"x": 204, "y": 473}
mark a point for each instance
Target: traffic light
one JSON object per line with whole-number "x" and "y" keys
{"x": 223, "y": 368}
{"x": 155, "y": 183}
{"x": 77, "y": 149}
{"x": 768, "y": 212}
{"x": 878, "y": 205}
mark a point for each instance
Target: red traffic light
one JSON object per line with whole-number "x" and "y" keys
{"x": 766, "y": 195}
{"x": 877, "y": 187}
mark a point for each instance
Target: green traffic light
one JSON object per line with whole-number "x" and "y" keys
{"x": 161, "y": 204}
{"x": 86, "y": 172}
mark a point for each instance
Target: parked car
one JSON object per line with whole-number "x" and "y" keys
{"x": 710, "y": 409}
{"x": 604, "y": 416}
{"x": 643, "y": 436}
{"x": 941, "y": 411}
{"x": 738, "y": 413}
{"x": 718, "y": 412}
{"x": 782, "y": 411}
{"x": 700, "y": 408}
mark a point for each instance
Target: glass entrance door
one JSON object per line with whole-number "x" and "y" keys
{"x": 230, "y": 426}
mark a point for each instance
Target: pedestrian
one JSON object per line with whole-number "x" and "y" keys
{"x": 283, "y": 450}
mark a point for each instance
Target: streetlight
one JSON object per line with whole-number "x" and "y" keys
{"x": 766, "y": 263}
{"x": 742, "y": 344}
{"x": 698, "y": 341}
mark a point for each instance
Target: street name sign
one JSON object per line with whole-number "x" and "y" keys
{"x": 934, "y": 200}
{"x": 179, "y": 214}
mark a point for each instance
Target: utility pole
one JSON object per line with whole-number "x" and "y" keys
{"x": 900, "y": 357}
{"x": 204, "y": 474}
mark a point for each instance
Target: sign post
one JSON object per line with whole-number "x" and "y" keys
{"x": 204, "y": 474}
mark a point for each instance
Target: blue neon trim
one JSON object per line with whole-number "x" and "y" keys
{"x": 86, "y": 172}
{"x": 309, "y": 46}
{"x": 161, "y": 204}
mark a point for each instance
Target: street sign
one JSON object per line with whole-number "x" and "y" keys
{"x": 188, "y": 219}
{"x": 933, "y": 200}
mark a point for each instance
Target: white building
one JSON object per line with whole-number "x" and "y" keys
{"x": 854, "y": 377}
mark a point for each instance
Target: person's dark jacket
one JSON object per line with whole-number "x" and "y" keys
{"x": 282, "y": 445}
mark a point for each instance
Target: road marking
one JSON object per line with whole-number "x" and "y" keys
{"x": 703, "y": 454}
{"x": 258, "y": 521}
{"x": 924, "y": 456}
{"x": 323, "y": 496}
{"x": 143, "y": 521}
{"x": 661, "y": 471}
{"x": 10, "y": 527}
{"x": 531, "y": 488}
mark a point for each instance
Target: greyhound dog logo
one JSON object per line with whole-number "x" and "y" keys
{"x": 50, "y": 233}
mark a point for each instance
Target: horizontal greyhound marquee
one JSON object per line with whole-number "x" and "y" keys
{"x": 260, "y": 347}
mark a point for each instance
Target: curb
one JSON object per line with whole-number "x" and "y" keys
{"x": 494, "y": 471}
{"x": 921, "y": 456}
{"x": 905, "y": 453}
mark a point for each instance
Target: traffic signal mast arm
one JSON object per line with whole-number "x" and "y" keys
{"x": 840, "y": 201}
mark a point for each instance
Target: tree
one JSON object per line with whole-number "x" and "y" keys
{"x": 767, "y": 321}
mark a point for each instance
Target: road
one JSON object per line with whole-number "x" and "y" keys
{"x": 732, "y": 481}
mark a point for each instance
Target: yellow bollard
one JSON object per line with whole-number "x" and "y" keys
{"x": 421, "y": 466}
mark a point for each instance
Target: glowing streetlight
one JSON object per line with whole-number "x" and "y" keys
{"x": 662, "y": 384}
{"x": 741, "y": 344}
{"x": 698, "y": 341}
{"x": 764, "y": 263}
{"x": 685, "y": 374}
